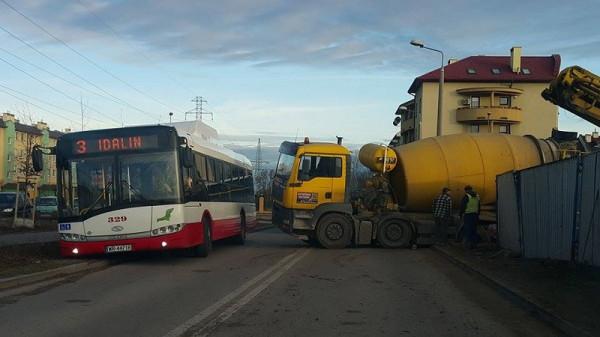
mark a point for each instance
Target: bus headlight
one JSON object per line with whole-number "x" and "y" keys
{"x": 167, "y": 229}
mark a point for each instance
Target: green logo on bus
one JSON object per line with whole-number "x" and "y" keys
{"x": 166, "y": 217}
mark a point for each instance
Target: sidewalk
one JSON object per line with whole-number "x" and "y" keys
{"x": 564, "y": 295}
{"x": 27, "y": 238}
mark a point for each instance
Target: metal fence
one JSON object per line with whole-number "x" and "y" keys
{"x": 509, "y": 234}
{"x": 550, "y": 211}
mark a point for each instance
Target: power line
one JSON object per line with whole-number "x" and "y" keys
{"x": 58, "y": 76}
{"x": 134, "y": 49}
{"x": 51, "y": 87}
{"x": 67, "y": 69}
{"x": 47, "y": 103}
{"x": 92, "y": 62}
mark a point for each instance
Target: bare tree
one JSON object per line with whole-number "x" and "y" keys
{"x": 24, "y": 163}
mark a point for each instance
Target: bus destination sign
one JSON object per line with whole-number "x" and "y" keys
{"x": 114, "y": 144}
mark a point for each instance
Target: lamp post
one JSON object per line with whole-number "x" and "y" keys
{"x": 420, "y": 44}
{"x": 170, "y": 117}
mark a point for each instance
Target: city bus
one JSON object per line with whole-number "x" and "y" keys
{"x": 144, "y": 188}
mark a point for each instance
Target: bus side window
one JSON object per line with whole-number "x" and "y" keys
{"x": 200, "y": 161}
{"x": 210, "y": 170}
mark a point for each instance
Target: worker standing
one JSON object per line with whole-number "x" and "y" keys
{"x": 442, "y": 213}
{"x": 469, "y": 211}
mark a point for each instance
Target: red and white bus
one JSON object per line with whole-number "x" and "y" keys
{"x": 150, "y": 188}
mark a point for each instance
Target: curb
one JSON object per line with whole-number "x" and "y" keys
{"x": 517, "y": 297}
{"x": 23, "y": 280}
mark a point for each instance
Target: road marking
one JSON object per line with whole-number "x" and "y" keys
{"x": 225, "y": 315}
{"x": 213, "y": 308}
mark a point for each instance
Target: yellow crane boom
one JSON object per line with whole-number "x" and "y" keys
{"x": 578, "y": 91}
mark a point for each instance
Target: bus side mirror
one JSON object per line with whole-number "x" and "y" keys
{"x": 37, "y": 159}
{"x": 187, "y": 157}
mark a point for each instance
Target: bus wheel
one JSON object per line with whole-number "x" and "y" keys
{"x": 240, "y": 239}
{"x": 334, "y": 231}
{"x": 203, "y": 249}
{"x": 394, "y": 233}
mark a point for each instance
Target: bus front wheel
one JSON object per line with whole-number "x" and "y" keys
{"x": 203, "y": 249}
{"x": 240, "y": 239}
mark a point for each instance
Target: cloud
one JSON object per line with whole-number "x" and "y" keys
{"x": 265, "y": 33}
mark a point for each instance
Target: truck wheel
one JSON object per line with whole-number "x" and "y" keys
{"x": 334, "y": 231}
{"x": 311, "y": 241}
{"x": 394, "y": 233}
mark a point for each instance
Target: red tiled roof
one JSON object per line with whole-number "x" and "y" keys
{"x": 541, "y": 68}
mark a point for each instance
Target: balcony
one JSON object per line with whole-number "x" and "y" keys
{"x": 408, "y": 124}
{"x": 483, "y": 114}
{"x": 490, "y": 91}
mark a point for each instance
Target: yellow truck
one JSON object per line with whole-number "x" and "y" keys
{"x": 311, "y": 194}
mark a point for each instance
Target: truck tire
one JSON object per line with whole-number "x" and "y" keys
{"x": 311, "y": 241}
{"x": 334, "y": 231}
{"x": 394, "y": 233}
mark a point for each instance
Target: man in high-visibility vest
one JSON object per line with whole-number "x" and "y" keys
{"x": 469, "y": 211}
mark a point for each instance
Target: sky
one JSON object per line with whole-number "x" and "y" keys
{"x": 273, "y": 69}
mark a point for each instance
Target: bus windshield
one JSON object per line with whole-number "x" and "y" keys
{"x": 109, "y": 182}
{"x": 148, "y": 177}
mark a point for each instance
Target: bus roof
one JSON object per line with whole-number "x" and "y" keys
{"x": 204, "y": 139}
{"x": 200, "y": 137}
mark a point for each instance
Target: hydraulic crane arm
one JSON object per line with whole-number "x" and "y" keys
{"x": 578, "y": 91}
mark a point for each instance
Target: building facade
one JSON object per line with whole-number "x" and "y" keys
{"x": 482, "y": 94}
{"x": 16, "y": 142}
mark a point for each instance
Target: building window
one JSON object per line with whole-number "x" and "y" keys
{"x": 504, "y": 100}
{"x": 471, "y": 71}
{"x": 474, "y": 128}
{"x": 10, "y": 140}
{"x": 526, "y": 71}
{"x": 504, "y": 128}
{"x": 474, "y": 101}
{"x": 496, "y": 71}
{"x": 9, "y": 157}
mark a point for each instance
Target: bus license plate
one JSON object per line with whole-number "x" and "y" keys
{"x": 118, "y": 248}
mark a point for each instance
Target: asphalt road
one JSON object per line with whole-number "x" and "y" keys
{"x": 272, "y": 286}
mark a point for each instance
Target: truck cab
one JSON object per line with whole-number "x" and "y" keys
{"x": 311, "y": 183}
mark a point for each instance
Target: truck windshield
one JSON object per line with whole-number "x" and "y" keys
{"x": 284, "y": 165}
{"x": 103, "y": 183}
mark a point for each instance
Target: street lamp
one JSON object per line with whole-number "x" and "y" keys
{"x": 420, "y": 44}
{"x": 170, "y": 117}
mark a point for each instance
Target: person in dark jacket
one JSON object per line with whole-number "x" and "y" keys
{"x": 469, "y": 211}
{"x": 442, "y": 214}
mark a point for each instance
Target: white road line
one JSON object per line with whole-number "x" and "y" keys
{"x": 204, "y": 314}
{"x": 225, "y": 315}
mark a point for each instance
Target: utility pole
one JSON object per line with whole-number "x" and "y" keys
{"x": 198, "y": 111}
{"x": 258, "y": 161}
{"x": 81, "y": 107}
